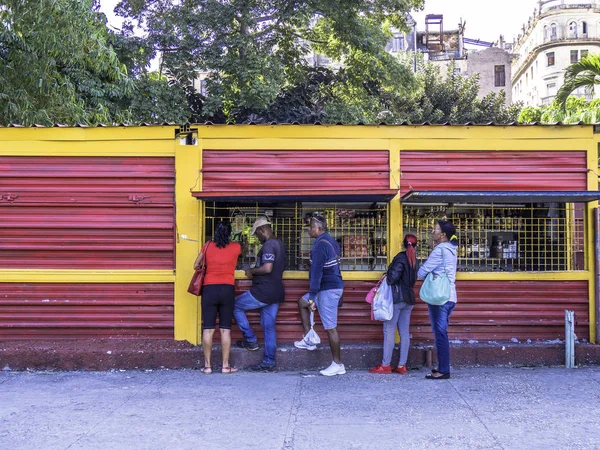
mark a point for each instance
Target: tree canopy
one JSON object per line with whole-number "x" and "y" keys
{"x": 254, "y": 51}
{"x": 60, "y": 63}
{"x": 56, "y": 64}
{"x": 583, "y": 74}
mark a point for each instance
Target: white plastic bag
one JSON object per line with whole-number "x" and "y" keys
{"x": 312, "y": 337}
{"x": 383, "y": 302}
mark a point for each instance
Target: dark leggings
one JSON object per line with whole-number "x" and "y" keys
{"x": 217, "y": 298}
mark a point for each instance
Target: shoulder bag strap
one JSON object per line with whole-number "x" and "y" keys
{"x": 337, "y": 257}
{"x": 204, "y": 249}
{"x": 444, "y": 262}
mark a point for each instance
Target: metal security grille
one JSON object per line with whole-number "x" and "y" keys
{"x": 359, "y": 228}
{"x": 506, "y": 238}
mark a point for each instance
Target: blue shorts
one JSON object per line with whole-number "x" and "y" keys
{"x": 327, "y": 305}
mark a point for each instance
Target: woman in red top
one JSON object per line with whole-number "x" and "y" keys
{"x": 218, "y": 293}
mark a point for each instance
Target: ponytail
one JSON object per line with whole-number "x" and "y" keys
{"x": 410, "y": 243}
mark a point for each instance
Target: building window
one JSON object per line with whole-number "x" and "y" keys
{"x": 584, "y": 28}
{"x": 551, "y": 88}
{"x": 499, "y": 76}
{"x": 203, "y": 90}
{"x": 550, "y": 57}
{"x": 397, "y": 44}
{"x": 583, "y": 54}
{"x": 553, "y": 33}
{"x": 545, "y": 33}
{"x": 572, "y": 30}
{"x": 574, "y": 56}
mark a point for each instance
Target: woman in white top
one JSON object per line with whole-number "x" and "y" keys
{"x": 442, "y": 258}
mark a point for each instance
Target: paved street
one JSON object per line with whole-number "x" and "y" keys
{"x": 479, "y": 408}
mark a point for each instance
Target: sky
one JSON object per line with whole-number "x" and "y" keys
{"x": 485, "y": 19}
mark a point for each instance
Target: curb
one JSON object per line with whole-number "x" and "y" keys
{"x": 168, "y": 354}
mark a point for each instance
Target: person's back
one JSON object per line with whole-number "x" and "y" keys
{"x": 221, "y": 263}
{"x": 402, "y": 275}
{"x": 268, "y": 288}
{"x": 325, "y": 271}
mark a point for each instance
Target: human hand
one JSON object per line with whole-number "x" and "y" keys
{"x": 311, "y": 305}
{"x": 248, "y": 273}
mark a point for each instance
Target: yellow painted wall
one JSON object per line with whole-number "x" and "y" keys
{"x": 160, "y": 141}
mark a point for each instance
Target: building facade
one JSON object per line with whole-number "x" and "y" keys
{"x": 493, "y": 65}
{"x": 559, "y": 34}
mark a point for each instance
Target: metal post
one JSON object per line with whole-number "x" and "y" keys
{"x": 597, "y": 271}
{"x": 569, "y": 339}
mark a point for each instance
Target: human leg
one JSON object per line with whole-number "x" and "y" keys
{"x": 207, "y": 341}
{"x": 439, "y": 316}
{"x": 334, "y": 344}
{"x": 227, "y": 300}
{"x": 245, "y": 302}
{"x": 209, "y": 305}
{"x": 268, "y": 318}
{"x": 389, "y": 334}
{"x": 404, "y": 331}
{"x": 327, "y": 305}
{"x": 304, "y": 310}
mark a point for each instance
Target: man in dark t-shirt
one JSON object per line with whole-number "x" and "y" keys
{"x": 265, "y": 295}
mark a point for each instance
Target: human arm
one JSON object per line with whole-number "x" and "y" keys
{"x": 263, "y": 269}
{"x": 267, "y": 259}
{"x": 318, "y": 258}
{"x": 433, "y": 262}
{"x": 394, "y": 273}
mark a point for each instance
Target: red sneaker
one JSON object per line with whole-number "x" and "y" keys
{"x": 401, "y": 370}
{"x": 381, "y": 369}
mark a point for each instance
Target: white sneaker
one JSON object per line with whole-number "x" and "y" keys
{"x": 305, "y": 345}
{"x": 334, "y": 369}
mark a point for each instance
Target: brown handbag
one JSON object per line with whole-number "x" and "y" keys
{"x": 195, "y": 286}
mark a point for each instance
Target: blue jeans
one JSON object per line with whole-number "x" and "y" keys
{"x": 268, "y": 314}
{"x": 439, "y": 316}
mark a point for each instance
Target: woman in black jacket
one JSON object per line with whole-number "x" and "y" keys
{"x": 401, "y": 275}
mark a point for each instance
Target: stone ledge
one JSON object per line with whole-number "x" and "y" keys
{"x": 156, "y": 354}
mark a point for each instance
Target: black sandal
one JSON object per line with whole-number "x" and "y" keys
{"x": 441, "y": 376}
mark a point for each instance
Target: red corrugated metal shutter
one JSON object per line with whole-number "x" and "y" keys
{"x": 87, "y": 212}
{"x": 294, "y": 170}
{"x": 489, "y": 171}
{"x": 486, "y": 311}
{"x": 86, "y": 310}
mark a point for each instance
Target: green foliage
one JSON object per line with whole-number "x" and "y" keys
{"x": 155, "y": 101}
{"x": 582, "y": 74}
{"x": 59, "y": 63}
{"x": 56, "y": 65}
{"x": 575, "y": 110}
{"x": 255, "y": 51}
{"x": 452, "y": 98}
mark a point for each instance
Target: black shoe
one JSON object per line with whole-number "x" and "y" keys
{"x": 251, "y": 346}
{"x": 263, "y": 367}
{"x": 437, "y": 376}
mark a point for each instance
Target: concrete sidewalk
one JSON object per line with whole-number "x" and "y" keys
{"x": 478, "y": 408}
